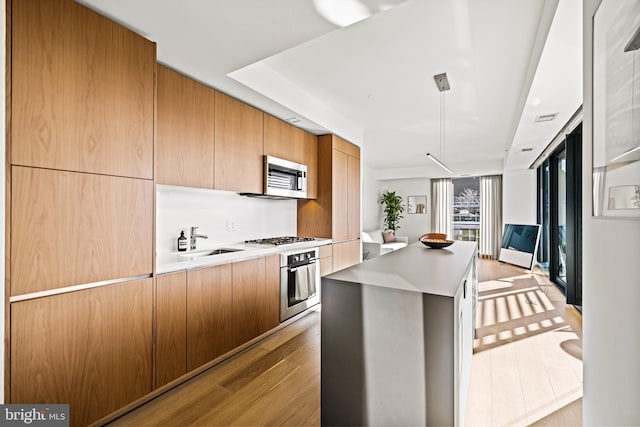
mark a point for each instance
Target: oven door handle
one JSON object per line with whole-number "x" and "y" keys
{"x": 295, "y": 268}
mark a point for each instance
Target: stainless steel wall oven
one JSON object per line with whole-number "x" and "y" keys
{"x": 299, "y": 281}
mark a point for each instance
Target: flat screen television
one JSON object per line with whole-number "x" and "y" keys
{"x": 519, "y": 244}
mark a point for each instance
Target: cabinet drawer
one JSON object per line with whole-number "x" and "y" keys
{"x": 326, "y": 251}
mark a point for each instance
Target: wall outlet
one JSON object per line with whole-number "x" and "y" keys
{"x": 231, "y": 225}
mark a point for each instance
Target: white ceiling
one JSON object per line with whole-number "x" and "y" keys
{"x": 372, "y": 82}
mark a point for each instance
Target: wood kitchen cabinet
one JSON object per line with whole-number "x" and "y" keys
{"x": 90, "y": 349}
{"x": 209, "y": 314}
{"x": 171, "y": 327}
{"x": 336, "y": 212}
{"x": 70, "y": 228}
{"x": 82, "y": 91}
{"x": 185, "y": 131}
{"x": 311, "y": 160}
{"x": 254, "y": 299}
{"x": 346, "y": 254}
{"x": 238, "y": 146}
{"x": 326, "y": 260}
{"x": 283, "y": 140}
{"x": 272, "y": 292}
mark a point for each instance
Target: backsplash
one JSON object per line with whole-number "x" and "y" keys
{"x": 179, "y": 208}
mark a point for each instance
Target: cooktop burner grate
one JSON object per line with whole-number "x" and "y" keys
{"x": 277, "y": 241}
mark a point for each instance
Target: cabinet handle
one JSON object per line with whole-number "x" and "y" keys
{"x": 464, "y": 289}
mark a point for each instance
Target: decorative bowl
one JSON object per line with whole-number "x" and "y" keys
{"x": 436, "y": 243}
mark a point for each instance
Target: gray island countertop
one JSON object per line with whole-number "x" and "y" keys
{"x": 416, "y": 268}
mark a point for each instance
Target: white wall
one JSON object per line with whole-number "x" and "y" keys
{"x": 412, "y": 225}
{"x": 611, "y": 291}
{"x": 179, "y": 208}
{"x": 519, "y": 196}
{"x": 371, "y": 209}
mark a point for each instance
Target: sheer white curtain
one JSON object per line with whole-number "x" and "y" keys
{"x": 442, "y": 206}
{"x": 490, "y": 216}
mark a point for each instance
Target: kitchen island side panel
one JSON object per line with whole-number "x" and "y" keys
{"x": 373, "y": 356}
{"x": 439, "y": 343}
{"x": 342, "y": 384}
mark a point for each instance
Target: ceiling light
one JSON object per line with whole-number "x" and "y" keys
{"x": 342, "y": 12}
{"x": 442, "y": 82}
{"x": 439, "y": 163}
{"x": 293, "y": 119}
{"x": 546, "y": 118}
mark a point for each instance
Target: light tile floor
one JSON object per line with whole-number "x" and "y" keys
{"x": 527, "y": 362}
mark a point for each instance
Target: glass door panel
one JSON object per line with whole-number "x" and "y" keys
{"x": 561, "y": 165}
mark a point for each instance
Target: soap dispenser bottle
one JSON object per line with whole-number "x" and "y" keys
{"x": 182, "y": 242}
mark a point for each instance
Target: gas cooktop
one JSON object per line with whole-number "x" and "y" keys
{"x": 277, "y": 241}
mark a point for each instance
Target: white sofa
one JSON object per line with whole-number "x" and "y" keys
{"x": 373, "y": 244}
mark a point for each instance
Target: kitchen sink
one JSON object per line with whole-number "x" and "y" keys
{"x": 209, "y": 253}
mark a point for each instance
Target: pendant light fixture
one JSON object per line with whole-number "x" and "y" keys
{"x": 442, "y": 82}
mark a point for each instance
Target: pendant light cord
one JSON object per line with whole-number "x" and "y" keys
{"x": 442, "y": 119}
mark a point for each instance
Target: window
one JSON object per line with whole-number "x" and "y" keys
{"x": 466, "y": 209}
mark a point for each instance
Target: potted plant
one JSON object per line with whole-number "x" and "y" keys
{"x": 392, "y": 209}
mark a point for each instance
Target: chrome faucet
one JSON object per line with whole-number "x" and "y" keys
{"x": 194, "y": 234}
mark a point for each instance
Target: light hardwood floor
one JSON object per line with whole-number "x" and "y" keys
{"x": 527, "y": 362}
{"x": 526, "y": 368}
{"x": 275, "y": 382}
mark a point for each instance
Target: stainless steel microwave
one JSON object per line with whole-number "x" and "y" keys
{"x": 284, "y": 178}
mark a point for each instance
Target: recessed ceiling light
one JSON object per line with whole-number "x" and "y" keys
{"x": 524, "y": 150}
{"x": 293, "y": 119}
{"x": 546, "y": 118}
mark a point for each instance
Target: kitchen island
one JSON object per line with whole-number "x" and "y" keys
{"x": 397, "y": 338}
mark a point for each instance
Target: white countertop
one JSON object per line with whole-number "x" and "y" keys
{"x": 167, "y": 262}
{"x": 415, "y": 268}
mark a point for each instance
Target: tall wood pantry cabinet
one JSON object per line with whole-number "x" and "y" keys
{"x": 335, "y": 214}
{"x": 80, "y": 197}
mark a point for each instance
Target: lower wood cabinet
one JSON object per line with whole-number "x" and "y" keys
{"x": 326, "y": 260}
{"x": 209, "y": 314}
{"x": 346, "y": 254}
{"x": 91, "y": 349}
{"x": 171, "y": 327}
{"x": 255, "y": 302}
{"x": 272, "y": 289}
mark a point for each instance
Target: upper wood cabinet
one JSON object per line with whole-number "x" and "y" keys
{"x": 336, "y": 212}
{"x": 90, "y": 349}
{"x": 185, "y": 131}
{"x": 70, "y": 228}
{"x": 171, "y": 327}
{"x": 283, "y": 140}
{"x": 209, "y": 314}
{"x": 311, "y": 160}
{"x": 82, "y": 91}
{"x": 238, "y": 146}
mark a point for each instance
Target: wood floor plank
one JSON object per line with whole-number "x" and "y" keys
{"x": 233, "y": 407}
{"x": 242, "y": 377}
